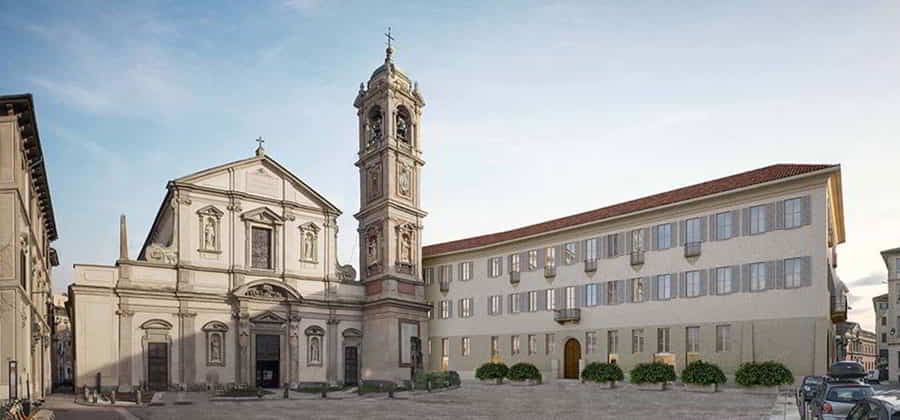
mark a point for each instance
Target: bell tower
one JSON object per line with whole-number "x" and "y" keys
{"x": 389, "y": 107}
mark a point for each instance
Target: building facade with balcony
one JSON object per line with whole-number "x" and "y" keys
{"x": 856, "y": 344}
{"x": 880, "y": 305}
{"x": 27, "y": 228}
{"x": 731, "y": 270}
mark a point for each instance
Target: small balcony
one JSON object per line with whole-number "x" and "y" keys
{"x": 550, "y": 271}
{"x": 692, "y": 249}
{"x": 637, "y": 258}
{"x": 445, "y": 286}
{"x": 590, "y": 266}
{"x": 838, "y": 309}
{"x": 567, "y": 316}
{"x": 514, "y": 277}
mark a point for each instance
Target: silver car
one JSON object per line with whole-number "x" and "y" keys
{"x": 835, "y": 399}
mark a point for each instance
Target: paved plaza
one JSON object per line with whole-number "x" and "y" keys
{"x": 569, "y": 400}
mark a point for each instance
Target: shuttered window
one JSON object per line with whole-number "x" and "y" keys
{"x": 514, "y": 263}
{"x": 570, "y": 297}
{"x": 793, "y": 213}
{"x": 692, "y": 283}
{"x": 551, "y": 299}
{"x": 664, "y": 286}
{"x": 612, "y": 295}
{"x": 693, "y": 231}
{"x": 532, "y": 260}
{"x": 495, "y": 346}
{"x": 662, "y": 340}
{"x": 429, "y": 275}
{"x": 724, "y": 225}
{"x": 590, "y": 249}
{"x": 514, "y": 303}
{"x": 693, "y": 339}
{"x": 637, "y": 340}
{"x": 532, "y": 344}
{"x": 570, "y": 253}
{"x": 758, "y": 219}
{"x": 612, "y": 341}
{"x": 550, "y": 257}
{"x": 514, "y": 344}
{"x": 465, "y": 271}
{"x": 496, "y": 265}
{"x": 637, "y": 290}
{"x": 532, "y": 301}
{"x": 723, "y": 280}
{"x": 793, "y": 272}
{"x": 664, "y": 236}
{"x": 549, "y": 343}
{"x": 758, "y": 276}
{"x": 445, "y": 309}
{"x": 590, "y": 342}
{"x": 466, "y": 346}
{"x": 723, "y": 338}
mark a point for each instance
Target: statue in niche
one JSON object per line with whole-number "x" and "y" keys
{"x": 215, "y": 348}
{"x": 375, "y": 129}
{"x": 372, "y": 250}
{"x": 404, "y": 180}
{"x": 406, "y": 248}
{"x": 309, "y": 246}
{"x": 402, "y": 128}
{"x": 209, "y": 234}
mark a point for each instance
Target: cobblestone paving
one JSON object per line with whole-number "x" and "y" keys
{"x": 476, "y": 401}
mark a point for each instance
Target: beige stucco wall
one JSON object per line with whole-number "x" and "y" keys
{"x": 790, "y": 325}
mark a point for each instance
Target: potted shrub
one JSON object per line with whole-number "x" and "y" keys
{"x": 702, "y": 377}
{"x": 653, "y": 376}
{"x": 524, "y": 374}
{"x": 763, "y": 377}
{"x": 604, "y": 374}
{"x": 492, "y": 373}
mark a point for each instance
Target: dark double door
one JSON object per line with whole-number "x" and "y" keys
{"x": 268, "y": 359}
{"x": 351, "y": 366}
{"x": 158, "y": 366}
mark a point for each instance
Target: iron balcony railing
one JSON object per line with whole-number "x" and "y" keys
{"x": 549, "y": 271}
{"x": 838, "y": 308}
{"x": 637, "y": 257}
{"x": 590, "y": 265}
{"x": 567, "y": 315}
{"x": 445, "y": 286}
{"x": 692, "y": 249}
{"x": 514, "y": 277}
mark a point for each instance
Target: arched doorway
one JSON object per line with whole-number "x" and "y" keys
{"x": 571, "y": 357}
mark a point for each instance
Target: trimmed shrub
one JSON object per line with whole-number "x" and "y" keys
{"x": 653, "y": 373}
{"x": 602, "y": 372}
{"x": 702, "y": 373}
{"x": 769, "y": 373}
{"x": 524, "y": 372}
{"x": 438, "y": 379}
{"x": 489, "y": 371}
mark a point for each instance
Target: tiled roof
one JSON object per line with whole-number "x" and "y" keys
{"x": 733, "y": 182}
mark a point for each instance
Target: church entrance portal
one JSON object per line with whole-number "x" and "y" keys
{"x": 268, "y": 358}
{"x": 572, "y": 356}
{"x": 158, "y": 366}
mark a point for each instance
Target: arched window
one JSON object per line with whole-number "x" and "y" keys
{"x": 403, "y": 126}
{"x": 374, "y": 126}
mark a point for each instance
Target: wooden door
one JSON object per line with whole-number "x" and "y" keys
{"x": 351, "y": 366}
{"x": 158, "y": 366}
{"x": 268, "y": 361}
{"x": 571, "y": 358}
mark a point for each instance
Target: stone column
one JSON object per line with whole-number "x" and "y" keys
{"x": 126, "y": 355}
{"x": 332, "y": 345}
{"x": 294, "y": 349}
{"x": 188, "y": 346}
{"x": 242, "y": 336}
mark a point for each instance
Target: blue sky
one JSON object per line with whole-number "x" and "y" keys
{"x": 535, "y": 110}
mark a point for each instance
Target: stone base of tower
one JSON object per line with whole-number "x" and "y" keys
{"x": 387, "y": 324}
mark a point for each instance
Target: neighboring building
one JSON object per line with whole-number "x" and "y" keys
{"x": 61, "y": 348}
{"x": 238, "y": 279}
{"x": 857, "y": 344}
{"x": 27, "y": 227}
{"x": 731, "y": 270}
{"x": 891, "y": 259}
{"x": 880, "y": 304}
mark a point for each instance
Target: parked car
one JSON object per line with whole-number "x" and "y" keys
{"x": 876, "y": 408}
{"x": 834, "y": 398}
{"x": 847, "y": 370}
{"x": 807, "y": 391}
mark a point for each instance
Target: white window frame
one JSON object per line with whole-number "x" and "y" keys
{"x": 637, "y": 340}
{"x": 532, "y": 260}
{"x": 466, "y": 346}
{"x": 592, "y": 294}
{"x": 693, "y": 230}
{"x": 570, "y": 297}
{"x": 637, "y": 290}
{"x": 759, "y": 219}
{"x": 692, "y": 339}
{"x": 612, "y": 341}
{"x": 514, "y": 263}
{"x": 723, "y": 338}
{"x": 550, "y": 295}
{"x": 514, "y": 348}
{"x": 692, "y": 283}
{"x": 793, "y": 213}
{"x": 495, "y": 304}
{"x": 590, "y": 249}
{"x": 759, "y": 277}
{"x": 590, "y": 342}
{"x": 663, "y": 340}
{"x": 664, "y": 280}
{"x": 724, "y": 225}
{"x": 570, "y": 252}
{"x": 445, "y": 309}
{"x": 496, "y": 267}
{"x": 664, "y": 236}
{"x": 793, "y": 272}
{"x": 532, "y": 344}
{"x": 532, "y": 301}
{"x": 723, "y": 280}
{"x": 550, "y": 257}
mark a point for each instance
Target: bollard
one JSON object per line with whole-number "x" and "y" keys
{"x": 287, "y": 394}
{"x": 428, "y": 384}
{"x": 112, "y": 397}
{"x": 137, "y": 396}
{"x": 324, "y": 391}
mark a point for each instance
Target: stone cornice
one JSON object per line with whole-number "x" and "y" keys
{"x": 393, "y": 203}
{"x": 397, "y": 302}
{"x": 248, "y": 196}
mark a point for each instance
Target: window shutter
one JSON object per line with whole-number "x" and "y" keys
{"x": 440, "y": 274}
{"x": 703, "y": 280}
{"x": 735, "y": 278}
{"x": 770, "y": 218}
{"x": 523, "y": 261}
{"x": 779, "y": 214}
{"x": 449, "y": 309}
{"x": 541, "y": 257}
{"x": 806, "y": 273}
{"x": 579, "y": 296}
{"x": 560, "y": 297}
{"x": 629, "y": 290}
{"x": 682, "y": 232}
{"x": 735, "y": 223}
{"x": 489, "y": 311}
{"x": 646, "y": 234}
{"x": 654, "y": 235}
{"x": 620, "y": 291}
{"x": 675, "y": 234}
{"x": 489, "y": 274}
{"x": 646, "y": 288}
{"x": 745, "y": 278}
{"x": 499, "y": 305}
{"x": 500, "y": 268}
{"x": 805, "y": 210}
{"x": 509, "y": 301}
{"x": 629, "y": 241}
{"x": 559, "y": 255}
{"x": 509, "y": 264}
{"x": 713, "y": 228}
{"x": 681, "y": 289}
{"x": 771, "y": 279}
{"x": 745, "y": 219}
{"x": 654, "y": 288}
{"x": 713, "y": 281}
{"x": 620, "y": 243}
{"x": 703, "y": 229}
{"x": 601, "y": 294}
{"x": 779, "y": 274}
{"x": 449, "y": 272}
{"x": 523, "y": 302}
{"x": 579, "y": 251}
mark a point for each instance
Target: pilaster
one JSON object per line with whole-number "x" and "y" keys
{"x": 331, "y": 343}
{"x": 125, "y": 348}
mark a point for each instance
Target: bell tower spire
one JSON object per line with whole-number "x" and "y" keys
{"x": 389, "y": 108}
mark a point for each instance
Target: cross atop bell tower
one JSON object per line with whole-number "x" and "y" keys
{"x": 389, "y": 108}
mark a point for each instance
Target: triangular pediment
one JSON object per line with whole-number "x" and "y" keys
{"x": 264, "y": 215}
{"x": 268, "y": 317}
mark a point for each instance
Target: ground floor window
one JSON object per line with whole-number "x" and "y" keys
{"x": 550, "y": 345}
{"x": 662, "y": 340}
{"x": 466, "y": 346}
{"x": 723, "y": 338}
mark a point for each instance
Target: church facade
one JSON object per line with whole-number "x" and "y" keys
{"x": 238, "y": 281}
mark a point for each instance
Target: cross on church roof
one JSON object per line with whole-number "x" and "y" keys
{"x": 389, "y": 37}
{"x": 259, "y": 150}
{"x": 390, "y": 50}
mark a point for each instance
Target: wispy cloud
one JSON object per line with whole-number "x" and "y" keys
{"x": 873, "y": 279}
